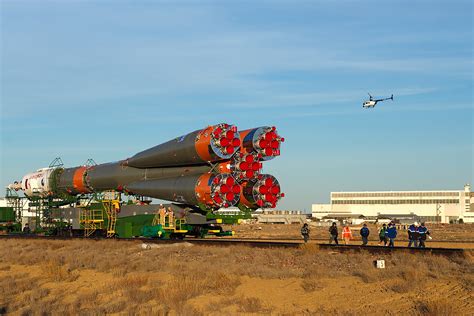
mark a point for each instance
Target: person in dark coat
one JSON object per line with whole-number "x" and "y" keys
{"x": 26, "y": 229}
{"x": 413, "y": 235}
{"x": 364, "y": 233}
{"x": 423, "y": 233}
{"x": 383, "y": 235}
{"x": 333, "y": 233}
{"x": 391, "y": 234}
{"x": 305, "y": 232}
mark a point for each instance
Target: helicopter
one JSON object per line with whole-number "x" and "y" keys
{"x": 371, "y": 102}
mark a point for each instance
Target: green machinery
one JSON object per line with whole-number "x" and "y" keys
{"x": 8, "y": 222}
{"x": 98, "y": 216}
{"x": 10, "y": 215}
{"x": 142, "y": 225}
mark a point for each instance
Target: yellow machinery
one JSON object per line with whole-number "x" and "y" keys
{"x": 168, "y": 222}
{"x": 91, "y": 217}
{"x": 91, "y": 220}
{"x": 111, "y": 203}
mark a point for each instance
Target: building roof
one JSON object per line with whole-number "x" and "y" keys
{"x": 344, "y": 215}
{"x": 390, "y": 216}
{"x": 405, "y": 191}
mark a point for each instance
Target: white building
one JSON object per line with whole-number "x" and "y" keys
{"x": 442, "y": 206}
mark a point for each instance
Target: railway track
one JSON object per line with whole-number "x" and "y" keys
{"x": 263, "y": 243}
{"x": 373, "y": 240}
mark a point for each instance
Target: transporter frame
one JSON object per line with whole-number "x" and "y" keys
{"x": 99, "y": 216}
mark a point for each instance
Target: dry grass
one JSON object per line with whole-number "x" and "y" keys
{"x": 250, "y": 305}
{"x": 4, "y": 267}
{"x": 400, "y": 286}
{"x": 311, "y": 284}
{"x": 438, "y": 307}
{"x": 57, "y": 272}
{"x": 108, "y": 277}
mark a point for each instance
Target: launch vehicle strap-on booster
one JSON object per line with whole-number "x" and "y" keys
{"x": 212, "y": 168}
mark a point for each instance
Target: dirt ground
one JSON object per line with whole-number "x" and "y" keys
{"x": 444, "y": 235}
{"x": 40, "y": 277}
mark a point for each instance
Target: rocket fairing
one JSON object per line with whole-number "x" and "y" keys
{"x": 211, "y": 168}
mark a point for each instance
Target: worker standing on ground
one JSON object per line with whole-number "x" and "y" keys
{"x": 346, "y": 234}
{"x": 382, "y": 235}
{"x": 413, "y": 235}
{"x": 9, "y": 227}
{"x": 364, "y": 232}
{"x": 305, "y": 232}
{"x": 391, "y": 234}
{"x": 26, "y": 229}
{"x": 423, "y": 232}
{"x": 333, "y": 233}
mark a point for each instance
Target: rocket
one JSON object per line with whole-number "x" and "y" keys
{"x": 210, "y": 168}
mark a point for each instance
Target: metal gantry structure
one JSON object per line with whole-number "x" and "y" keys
{"x": 111, "y": 203}
{"x": 99, "y": 213}
{"x": 16, "y": 202}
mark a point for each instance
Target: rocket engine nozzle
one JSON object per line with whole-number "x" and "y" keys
{"x": 243, "y": 167}
{"x": 264, "y": 141}
{"x": 225, "y": 191}
{"x": 246, "y": 166}
{"x": 263, "y": 192}
{"x": 224, "y": 140}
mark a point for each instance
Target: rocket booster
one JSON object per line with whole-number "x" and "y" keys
{"x": 213, "y": 167}
{"x": 210, "y": 144}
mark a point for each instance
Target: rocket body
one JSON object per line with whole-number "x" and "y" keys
{"x": 212, "y": 168}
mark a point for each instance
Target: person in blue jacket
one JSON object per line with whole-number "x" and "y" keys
{"x": 391, "y": 234}
{"x": 413, "y": 235}
{"x": 364, "y": 233}
{"x": 423, "y": 232}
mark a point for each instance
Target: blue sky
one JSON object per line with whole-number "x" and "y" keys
{"x": 106, "y": 79}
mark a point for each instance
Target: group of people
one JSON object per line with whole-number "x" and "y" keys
{"x": 417, "y": 234}
{"x": 162, "y": 214}
{"x": 347, "y": 234}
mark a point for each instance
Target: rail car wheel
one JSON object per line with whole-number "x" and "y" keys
{"x": 197, "y": 232}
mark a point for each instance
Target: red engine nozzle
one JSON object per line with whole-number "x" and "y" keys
{"x": 268, "y": 143}
{"x": 263, "y": 191}
{"x": 225, "y": 190}
{"x": 264, "y": 141}
{"x": 225, "y": 140}
{"x": 246, "y": 166}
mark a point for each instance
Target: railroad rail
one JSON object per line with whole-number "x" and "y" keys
{"x": 340, "y": 239}
{"x": 262, "y": 243}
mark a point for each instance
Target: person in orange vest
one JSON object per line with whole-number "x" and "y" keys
{"x": 346, "y": 234}
{"x": 170, "y": 216}
{"x": 162, "y": 212}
